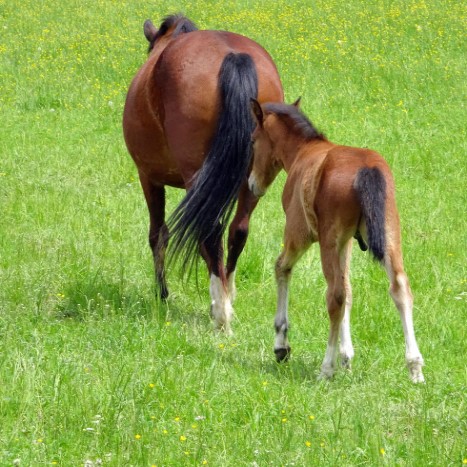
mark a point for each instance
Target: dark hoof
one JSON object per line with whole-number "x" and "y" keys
{"x": 283, "y": 354}
{"x": 163, "y": 294}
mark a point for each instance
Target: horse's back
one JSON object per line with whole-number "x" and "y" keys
{"x": 188, "y": 68}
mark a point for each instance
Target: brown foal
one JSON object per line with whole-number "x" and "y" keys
{"x": 332, "y": 194}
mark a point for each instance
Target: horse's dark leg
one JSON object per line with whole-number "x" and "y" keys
{"x": 238, "y": 234}
{"x": 158, "y": 233}
{"x": 221, "y": 306}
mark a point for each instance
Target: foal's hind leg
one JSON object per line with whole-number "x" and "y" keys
{"x": 158, "y": 232}
{"x": 335, "y": 269}
{"x": 346, "y": 348}
{"x": 238, "y": 233}
{"x": 402, "y": 297}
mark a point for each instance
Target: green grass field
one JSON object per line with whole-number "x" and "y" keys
{"x": 94, "y": 371}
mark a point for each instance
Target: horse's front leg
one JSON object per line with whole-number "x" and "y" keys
{"x": 221, "y": 307}
{"x": 284, "y": 265}
{"x": 281, "y": 323}
{"x": 238, "y": 234}
{"x": 296, "y": 242}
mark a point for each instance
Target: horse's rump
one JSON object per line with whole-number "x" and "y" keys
{"x": 204, "y": 211}
{"x": 370, "y": 186}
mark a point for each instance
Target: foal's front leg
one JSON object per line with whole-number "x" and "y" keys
{"x": 284, "y": 266}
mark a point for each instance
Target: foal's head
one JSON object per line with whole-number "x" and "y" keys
{"x": 280, "y": 128}
{"x": 172, "y": 26}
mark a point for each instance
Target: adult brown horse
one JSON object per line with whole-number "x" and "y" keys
{"x": 187, "y": 124}
{"x": 332, "y": 193}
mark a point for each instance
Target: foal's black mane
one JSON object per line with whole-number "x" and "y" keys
{"x": 182, "y": 25}
{"x": 299, "y": 121}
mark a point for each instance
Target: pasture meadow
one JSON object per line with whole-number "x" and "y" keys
{"x": 95, "y": 371}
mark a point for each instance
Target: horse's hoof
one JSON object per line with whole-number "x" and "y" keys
{"x": 223, "y": 331}
{"x": 415, "y": 369}
{"x": 418, "y": 378}
{"x": 163, "y": 293}
{"x": 324, "y": 377}
{"x": 282, "y": 354}
{"x": 346, "y": 363}
{"x": 326, "y": 373}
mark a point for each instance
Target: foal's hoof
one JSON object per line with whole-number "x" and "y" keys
{"x": 282, "y": 354}
{"x": 415, "y": 370}
{"x": 346, "y": 363}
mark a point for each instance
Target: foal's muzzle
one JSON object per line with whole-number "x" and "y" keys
{"x": 254, "y": 187}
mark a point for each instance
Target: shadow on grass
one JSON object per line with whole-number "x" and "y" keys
{"x": 94, "y": 296}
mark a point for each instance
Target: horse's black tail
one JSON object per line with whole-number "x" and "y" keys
{"x": 205, "y": 210}
{"x": 370, "y": 186}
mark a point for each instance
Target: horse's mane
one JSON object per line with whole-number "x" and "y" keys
{"x": 182, "y": 25}
{"x": 179, "y": 22}
{"x": 296, "y": 120}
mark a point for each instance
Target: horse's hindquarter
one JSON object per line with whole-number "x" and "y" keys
{"x": 172, "y": 106}
{"x": 337, "y": 205}
{"x": 143, "y": 130}
{"x": 187, "y": 77}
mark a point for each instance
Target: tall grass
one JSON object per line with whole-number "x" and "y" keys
{"x": 93, "y": 368}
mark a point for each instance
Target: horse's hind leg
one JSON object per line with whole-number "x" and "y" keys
{"x": 335, "y": 269}
{"x": 402, "y": 297}
{"x": 158, "y": 232}
{"x": 238, "y": 234}
{"x": 346, "y": 348}
{"x": 221, "y": 306}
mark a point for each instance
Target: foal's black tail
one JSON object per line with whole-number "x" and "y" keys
{"x": 207, "y": 206}
{"x": 370, "y": 186}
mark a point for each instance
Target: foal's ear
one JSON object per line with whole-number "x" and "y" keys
{"x": 297, "y": 102}
{"x": 257, "y": 111}
{"x": 150, "y": 30}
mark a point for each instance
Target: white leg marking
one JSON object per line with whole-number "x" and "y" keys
{"x": 281, "y": 321}
{"x": 221, "y": 307}
{"x": 400, "y": 293}
{"x": 231, "y": 286}
{"x": 328, "y": 367}
{"x": 346, "y": 348}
